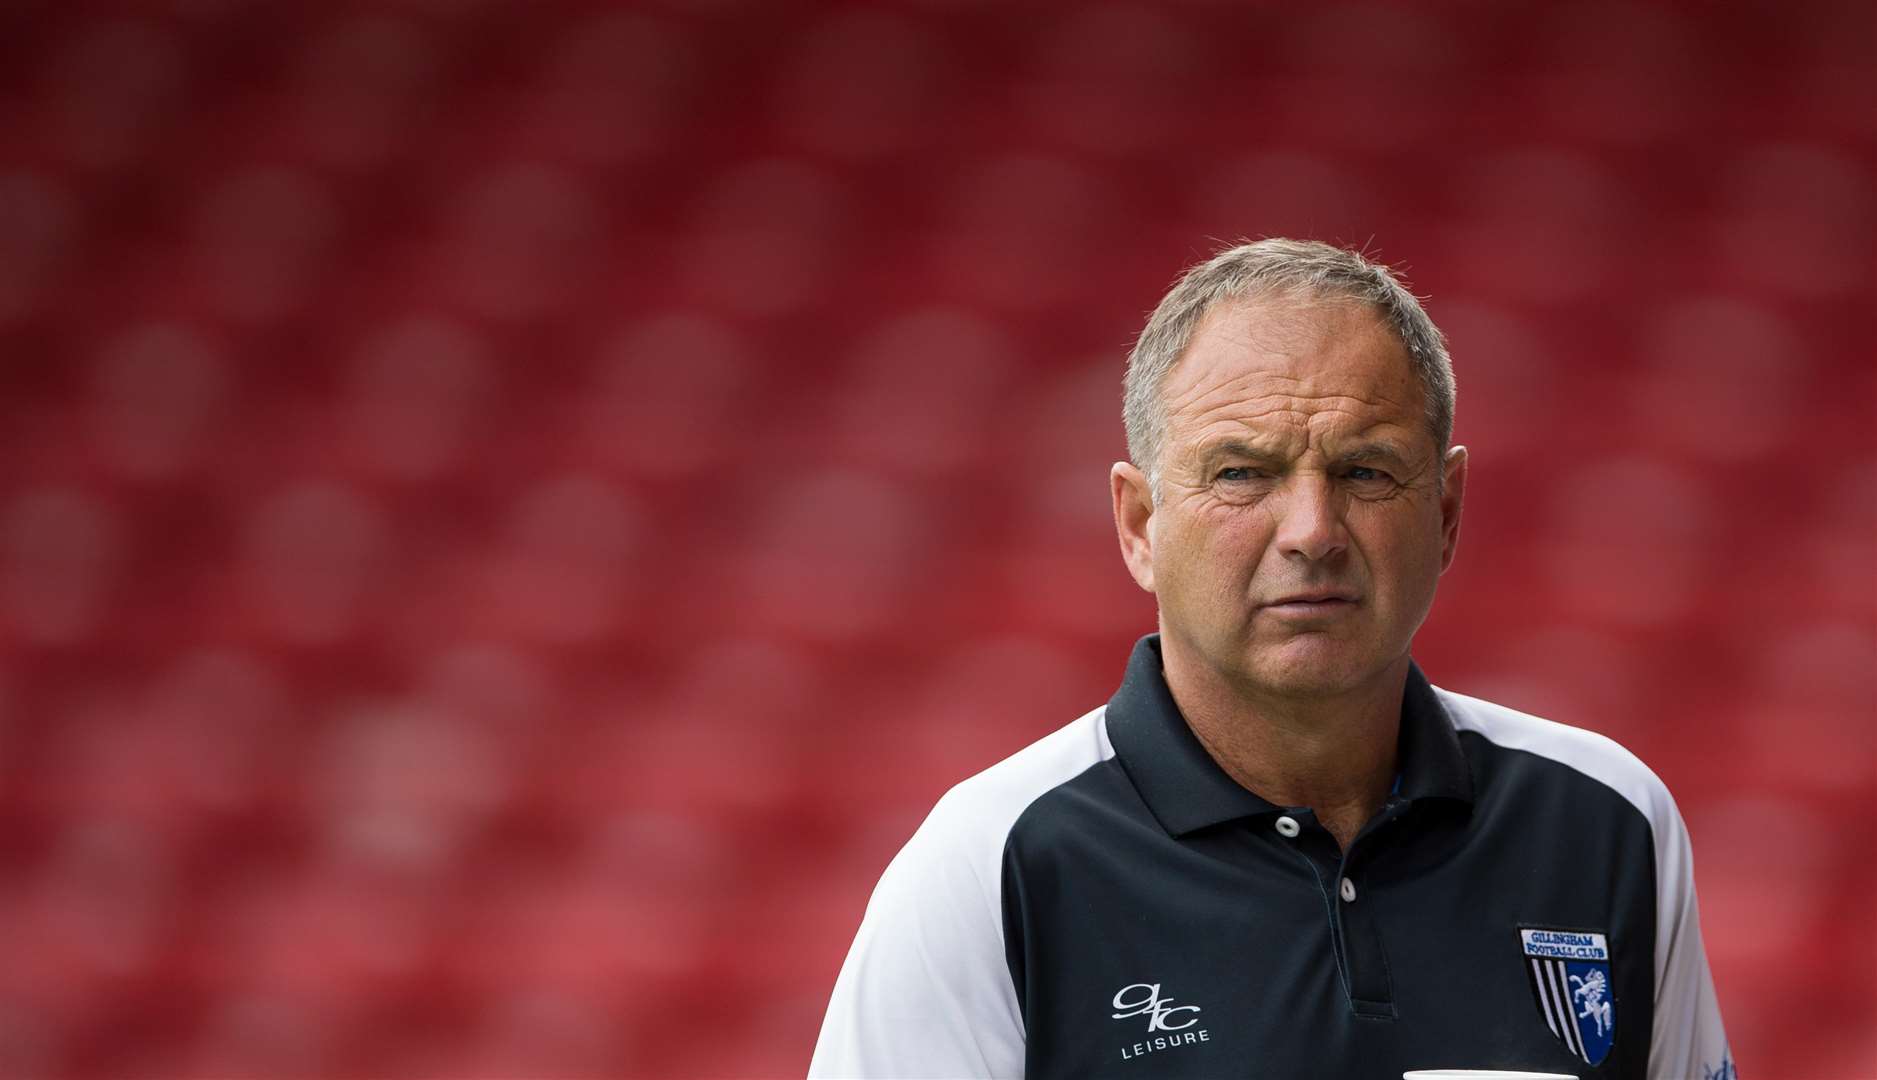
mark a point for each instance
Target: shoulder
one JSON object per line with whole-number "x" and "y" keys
{"x": 975, "y": 817}
{"x": 950, "y": 871}
{"x": 926, "y": 989}
{"x": 1596, "y": 757}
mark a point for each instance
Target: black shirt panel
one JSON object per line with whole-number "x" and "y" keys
{"x": 1157, "y": 922}
{"x": 1175, "y": 776}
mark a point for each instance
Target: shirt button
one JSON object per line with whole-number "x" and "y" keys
{"x": 1349, "y": 891}
{"x": 1287, "y": 826}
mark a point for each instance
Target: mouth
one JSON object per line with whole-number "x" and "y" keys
{"x": 1323, "y": 602}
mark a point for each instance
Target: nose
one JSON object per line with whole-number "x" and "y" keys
{"x": 1310, "y": 522}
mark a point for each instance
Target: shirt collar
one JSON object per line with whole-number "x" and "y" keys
{"x": 1186, "y": 789}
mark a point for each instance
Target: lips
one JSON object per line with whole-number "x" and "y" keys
{"x": 1312, "y": 606}
{"x": 1325, "y": 598}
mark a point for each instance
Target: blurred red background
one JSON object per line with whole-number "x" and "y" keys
{"x": 510, "y": 513}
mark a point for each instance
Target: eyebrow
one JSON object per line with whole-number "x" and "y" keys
{"x": 1374, "y": 451}
{"x": 1234, "y": 448}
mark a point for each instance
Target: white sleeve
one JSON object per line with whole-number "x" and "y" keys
{"x": 925, "y": 991}
{"x": 1688, "y": 1042}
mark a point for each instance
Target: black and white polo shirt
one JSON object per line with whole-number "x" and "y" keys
{"x": 1109, "y": 903}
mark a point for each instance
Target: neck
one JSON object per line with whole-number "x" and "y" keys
{"x": 1334, "y": 753}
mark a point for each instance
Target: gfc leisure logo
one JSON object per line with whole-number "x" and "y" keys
{"x": 1168, "y": 1025}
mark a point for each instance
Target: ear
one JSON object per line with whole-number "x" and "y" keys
{"x": 1133, "y": 521}
{"x": 1452, "y": 500}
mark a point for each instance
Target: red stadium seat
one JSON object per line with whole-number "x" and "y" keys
{"x": 511, "y": 513}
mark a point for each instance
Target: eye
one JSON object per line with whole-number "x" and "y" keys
{"x": 1368, "y": 481}
{"x": 1237, "y": 474}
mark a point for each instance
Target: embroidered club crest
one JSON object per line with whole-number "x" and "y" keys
{"x": 1570, "y": 975}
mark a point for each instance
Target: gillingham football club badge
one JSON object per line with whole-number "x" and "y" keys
{"x": 1570, "y": 976}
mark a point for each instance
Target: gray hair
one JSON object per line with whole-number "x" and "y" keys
{"x": 1264, "y": 268}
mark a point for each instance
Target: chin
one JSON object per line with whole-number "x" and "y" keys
{"x": 1311, "y": 670}
{"x": 1305, "y": 684}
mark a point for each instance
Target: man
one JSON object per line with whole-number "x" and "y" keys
{"x": 1278, "y": 850}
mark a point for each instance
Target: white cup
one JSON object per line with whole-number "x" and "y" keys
{"x": 1481, "y": 1074}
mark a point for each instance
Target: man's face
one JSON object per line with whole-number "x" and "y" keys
{"x": 1302, "y": 523}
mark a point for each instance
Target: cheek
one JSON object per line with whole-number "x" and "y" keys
{"x": 1404, "y": 556}
{"x": 1215, "y": 555}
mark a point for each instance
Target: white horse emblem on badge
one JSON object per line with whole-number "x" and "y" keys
{"x": 1590, "y": 992}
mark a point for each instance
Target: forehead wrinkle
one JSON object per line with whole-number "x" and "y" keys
{"x": 1264, "y": 408}
{"x": 1238, "y": 393}
{"x": 1268, "y": 415}
{"x": 1301, "y": 437}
